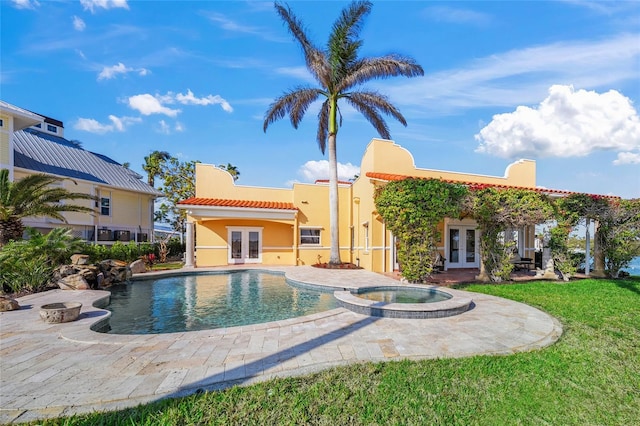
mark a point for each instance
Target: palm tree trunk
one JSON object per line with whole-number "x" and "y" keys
{"x": 10, "y": 229}
{"x": 334, "y": 256}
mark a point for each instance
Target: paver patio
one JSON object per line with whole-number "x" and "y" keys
{"x": 50, "y": 370}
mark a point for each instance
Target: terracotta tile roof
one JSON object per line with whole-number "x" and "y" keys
{"x": 219, "y": 202}
{"x": 395, "y": 177}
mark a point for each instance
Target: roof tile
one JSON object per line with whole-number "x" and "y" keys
{"x": 219, "y": 202}
{"x": 396, "y": 177}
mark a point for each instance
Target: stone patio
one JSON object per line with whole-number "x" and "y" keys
{"x": 52, "y": 370}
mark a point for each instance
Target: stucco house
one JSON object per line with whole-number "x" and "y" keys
{"x": 32, "y": 143}
{"x": 246, "y": 224}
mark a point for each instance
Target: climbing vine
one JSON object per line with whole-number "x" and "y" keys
{"x": 495, "y": 211}
{"x": 412, "y": 209}
{"x": 619, "y": 234}
{"x": 568, "y": 212}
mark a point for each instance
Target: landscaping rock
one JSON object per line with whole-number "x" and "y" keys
{"x": 8, "y": 304}
{"x": 80, "y": 259}
{"x": 74, "y": 282}
{"x": 138, "y": 267}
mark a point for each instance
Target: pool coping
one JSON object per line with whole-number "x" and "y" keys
{"x": 51, "y": 370}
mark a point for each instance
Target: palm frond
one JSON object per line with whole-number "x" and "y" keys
{"x": 375, "y": 101}
{"x": 375, "y": 119}
{"x": 343, "y": 43}
{"x": 294, "y": 103}
{"x": 315, "y": 59}
{"x": 323, "y": 126}
{"x": 368, "y": 69}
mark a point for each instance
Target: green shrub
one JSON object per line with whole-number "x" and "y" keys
{"x": 28, "y": 265}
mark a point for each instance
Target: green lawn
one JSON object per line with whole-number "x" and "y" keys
{"x": 591, "y": 376}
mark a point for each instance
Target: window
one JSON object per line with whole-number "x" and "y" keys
{"x": 38, "y": 125}
{"x": 105, "y": 206}
{"x": 310, "y": 236}
{"x": 52, "y": 129}
{"x": 1, "y": 123}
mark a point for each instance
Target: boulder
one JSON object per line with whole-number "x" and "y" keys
{"x": 138, "y": 267}
{"x": 8, "y": 304}
{"x": 80, "y": 259}
{"x": 73, "y": 282}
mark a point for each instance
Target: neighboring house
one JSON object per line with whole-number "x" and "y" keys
{"x": 244, "y": 224}
{"x": 31, "y": 143}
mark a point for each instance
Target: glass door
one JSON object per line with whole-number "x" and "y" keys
{"x": 462, "y": 242}
{"x": 245, "y": 245}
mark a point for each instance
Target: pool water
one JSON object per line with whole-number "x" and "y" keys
{"x": 403, "y": 295}
{"x": 208, "y": 301}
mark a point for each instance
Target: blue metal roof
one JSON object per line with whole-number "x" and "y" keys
{"x": 45, "y": 153}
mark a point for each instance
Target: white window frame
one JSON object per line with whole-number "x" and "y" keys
{"x": 110, "y": 207}
{"x": 51, "y": 128}
{"x": 311, "y": 228}
{"x": 244, "y": 230}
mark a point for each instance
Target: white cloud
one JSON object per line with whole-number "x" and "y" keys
{"x": 190, "y": 99}
{"x": 147, "y": 104}
{"x": 78, "y": 24}
{"x": 108, "y": 73}
{"x": 300, "y": 73}
{"x": 522, "y": 76}
{"x": 314, "y": 170}
{"x": 93, "y": 5}
{"x": 627, "y": 158}
{"x": 93, "y": 126}
{"x": 25, "y": 4}
{"x": 568, "y": 123}
{"x": 456, "y": 15}
{"x": 164, "y": 127}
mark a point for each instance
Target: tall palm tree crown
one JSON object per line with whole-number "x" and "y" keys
{"x": 338, "y": 70}
{"x": 153, "y": 165}
{"x": 33, "y": 196}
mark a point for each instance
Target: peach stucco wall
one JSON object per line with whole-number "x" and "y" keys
{"x": 364, "y": 238}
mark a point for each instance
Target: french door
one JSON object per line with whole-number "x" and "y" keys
{"x": 244, "y": 245}
{"x": 462, "y": 247}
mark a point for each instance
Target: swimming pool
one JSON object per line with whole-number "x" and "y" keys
{"x": 207, "y": 301}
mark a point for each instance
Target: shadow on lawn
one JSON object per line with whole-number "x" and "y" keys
{"x": 242, "y": 373}
{"x": 632, "y": 284}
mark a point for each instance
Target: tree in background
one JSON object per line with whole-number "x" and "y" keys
{"x": 233, "y": 170}
{"x": 33, "y": 195}
{"x": 338, "y": 70}
{"x": 153, "y": 165}
{"x": 178, "y": 183}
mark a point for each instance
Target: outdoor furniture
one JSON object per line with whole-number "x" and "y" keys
{"x": 521, "y": 262}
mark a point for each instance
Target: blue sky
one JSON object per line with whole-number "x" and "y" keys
{"x": 557, "y": 82}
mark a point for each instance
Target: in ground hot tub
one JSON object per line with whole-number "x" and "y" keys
{"x": 417, "y": 302}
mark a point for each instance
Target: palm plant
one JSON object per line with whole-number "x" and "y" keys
{"x": 233, "y": 170}
{"x": 338, "y": 70}
{"x": 153, "y": 165}
{"x": 33, "y": 196}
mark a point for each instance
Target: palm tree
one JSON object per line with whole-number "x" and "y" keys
{"x": 338, "y": 70}
{"x": 153, "y": 165}
{"x": 33, "y": 196}
{"x": 233, "y": 170}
